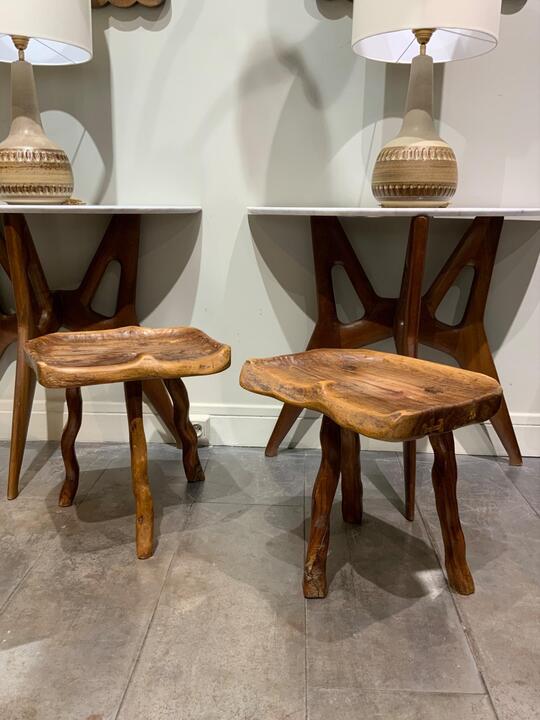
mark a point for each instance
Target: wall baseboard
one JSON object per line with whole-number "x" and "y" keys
{"x": 244, "y": 425}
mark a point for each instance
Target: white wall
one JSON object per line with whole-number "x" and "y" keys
{"x": 227, "y": 104}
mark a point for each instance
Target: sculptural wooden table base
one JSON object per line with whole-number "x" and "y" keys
{"x": 72, "y": 310}
{"x": 411, "y": 318}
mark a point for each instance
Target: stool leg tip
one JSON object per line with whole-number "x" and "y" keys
{"x": 197, "y": 474}
{"x": 315, "y": 587}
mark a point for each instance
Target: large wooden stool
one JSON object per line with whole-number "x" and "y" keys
{"x": 386, "y": 397}
{"x": 130, "y": 355}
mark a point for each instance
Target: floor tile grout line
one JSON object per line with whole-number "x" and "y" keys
{"x": 245, "y": 504}
{"x": 403, "y": 691}
{"x": 151, "y": 619}
{"x": 467, "y": 631}
{"x": 534, "y": 510}
{"x": 22, "y": 579}
{"x": 78, "y": 502}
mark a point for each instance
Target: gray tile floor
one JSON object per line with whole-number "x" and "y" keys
{"x": 214, "y": 627}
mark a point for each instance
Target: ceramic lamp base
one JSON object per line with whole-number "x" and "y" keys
{"x": 418, "y": 168}
{"x": 33, "y": 170}
{"x": 418, "y": 174}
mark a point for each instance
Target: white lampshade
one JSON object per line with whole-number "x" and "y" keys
{"x": 60, "y": 31}
{"x": 464, "y": 28}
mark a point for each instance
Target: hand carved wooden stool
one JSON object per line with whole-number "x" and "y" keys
{"x": 386, "y": 397}
{"x": 130, "y": 355}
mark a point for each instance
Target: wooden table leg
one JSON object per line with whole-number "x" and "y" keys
{"x": 406, "y": 329}
{"x": 35, "y": 316}
{"x": 467, "y": 341}
{"x": 331, "y": 247}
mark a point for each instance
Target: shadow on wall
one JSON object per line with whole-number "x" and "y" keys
{"x": 327, "y": 112}
{"x": 510, "y": 7}
{"x": 78, "y": 105}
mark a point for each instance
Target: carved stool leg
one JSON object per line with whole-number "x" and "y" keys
{"x": 444, "y": 483}
{"x": 351, "y": 479}
{"x": 186, "y": 431}
{"x": 315, "y": 584}
{"x": 71, "y": 430}
{"x": 139, "y": 471}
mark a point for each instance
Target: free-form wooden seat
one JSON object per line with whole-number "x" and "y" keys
{"x": 129, "y": 355}
{"x": 62, "y": 360}
{"x": 386, "y": 397}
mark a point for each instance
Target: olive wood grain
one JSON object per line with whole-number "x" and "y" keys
{"x": 351, "y": 480}
{"x": 315, "y": 582}
{"x": 380, "y": 395}
{"x": 190, "y": 454}
{"x": 144, "y": 507}
{"x": 444, "y": 477}
{"x": 124, "y": 354}
{"x": 69, "y": 436}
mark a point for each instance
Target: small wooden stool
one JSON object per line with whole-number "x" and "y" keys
{"x": 386, "y": 397}
{"x": 129, "y": 355}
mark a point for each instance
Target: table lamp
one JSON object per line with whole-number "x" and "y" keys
{"x": 38, "y": 32}
{"x": 417, "y": 168}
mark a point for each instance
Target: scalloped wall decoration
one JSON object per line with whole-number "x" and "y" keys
{"x": 126, "y": 3}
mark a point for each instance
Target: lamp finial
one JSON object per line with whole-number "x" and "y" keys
{"x": 21, "y": 43}
{"x": 423, "y": 35}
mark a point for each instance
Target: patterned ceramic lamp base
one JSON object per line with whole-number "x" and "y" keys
{"x": 33, "y": 170}
{"x": 418, "y": 168}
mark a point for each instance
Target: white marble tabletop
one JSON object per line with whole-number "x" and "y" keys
{"x": 379, "y": 212}
{"x": 99, "y": 209}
